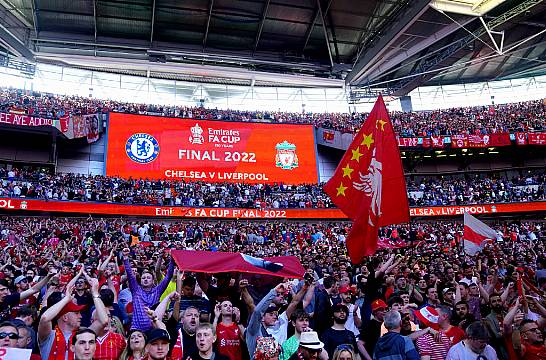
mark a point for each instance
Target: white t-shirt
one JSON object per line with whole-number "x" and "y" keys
{"x": 350, "y": 324}
{"x": 280, "y": 330}
{"x": 461, "y": 351}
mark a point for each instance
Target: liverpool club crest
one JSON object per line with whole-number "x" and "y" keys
{"x": 286, "y": 157}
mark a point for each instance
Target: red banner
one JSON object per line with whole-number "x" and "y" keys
{"x": 32, "y": 121}
{"x": 217, "y": 262}
{"x": 165, "y": 211}
{"x": 478, "y": 141}
{"x": 72, "y": 127}
{"x": 328, "y": 135}
{"x": 537, "y": 138}
{"x": 478, "y": 209}
{"x": 91, "y": 127}
{"x": 500, "y": 139}
{"x": 459, "y": 141}
{"x": 408, "y": 142}
{"x": 521, "y": 138}
{"x": 7, "y": 204}
{"x": 207, "y": 150}
{"x": 437, "y": 142}
{"x": 463, "y": 141}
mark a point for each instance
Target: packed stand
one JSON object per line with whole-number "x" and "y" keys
{"x": 476, "y": 189}
{"x": 524, "y": 116}
{"x": 42, "y": 185}
{"x": 430, "y": 191}
{"x": 108, "y": 289}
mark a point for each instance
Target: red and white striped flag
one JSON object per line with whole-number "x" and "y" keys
{"x": 476, "y": 234}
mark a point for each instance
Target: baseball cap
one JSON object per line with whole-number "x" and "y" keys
{"x": 428, "y": 316}
{"x": 71, "y": 307}
{"x": 19, "y": 278}
{"x": 378, "y": 304}
{"x": 157, "y": 334}
{"x": 271, "y": 308}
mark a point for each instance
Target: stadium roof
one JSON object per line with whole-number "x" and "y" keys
{"x": 374, "y": 44}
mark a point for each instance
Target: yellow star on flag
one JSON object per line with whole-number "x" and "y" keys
{"x": 341, "y": 189}
{"x": 368, "y": 140}
{"x": 380, "y": 122}
{"x": 356, "y": 154}
{"x": 347, "y": 171}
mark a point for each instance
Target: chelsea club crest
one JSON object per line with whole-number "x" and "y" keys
{"x": 142, "y": 148}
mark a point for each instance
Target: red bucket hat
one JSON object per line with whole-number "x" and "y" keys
{"x": 428, "y": 316}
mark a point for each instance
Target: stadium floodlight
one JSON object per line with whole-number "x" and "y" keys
{"x": 466, "y": 7}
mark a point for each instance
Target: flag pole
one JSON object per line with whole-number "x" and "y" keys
{"x": 462, "y": 244}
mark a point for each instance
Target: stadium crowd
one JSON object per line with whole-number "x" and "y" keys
{"x": 430, "y": 191}
{"x": 476, "y": 189}
{"x": 524, "y": 116}
{"x": 75, "y": 288}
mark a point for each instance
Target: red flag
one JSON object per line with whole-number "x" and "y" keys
{"x": 65, "y": 120}
{"x": 476, "y": 234}
{"x": 500, "y": 139}
{"x": 427, "y": 142}
{"x": 478, "y": 141}
{"x": 459, "y": 141}
{"x": 521, "y": 138}
{"x": 537, "y": 138}
{"x": 369, "y": 185}
{"x": 215, "y": 262}
{"x": 437, "y": 142}
{"x": 328, "y": 135}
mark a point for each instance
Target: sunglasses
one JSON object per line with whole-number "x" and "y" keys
{"x": 537, "y": 330}
{"x": 12, "y": 336}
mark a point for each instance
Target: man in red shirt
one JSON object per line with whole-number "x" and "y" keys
{"x": 454, "y": 333}
{"x": 60, "y": 320}
{"x": 66, "y": 273}
{"x": 229, "y": 334}
{"x": 110, "y": 345}
{"x": 532, "y": 341}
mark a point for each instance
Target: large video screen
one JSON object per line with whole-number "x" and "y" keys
{"x": 155, "y": 147}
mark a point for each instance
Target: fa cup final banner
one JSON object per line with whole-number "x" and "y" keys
{"x": 214, "y": 151}
{"x": 98, "y": 208}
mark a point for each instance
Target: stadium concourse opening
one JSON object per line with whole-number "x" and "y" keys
{"x": 272, "y": 180}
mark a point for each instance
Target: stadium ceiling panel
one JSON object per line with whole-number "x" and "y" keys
{"x": 393, "y": 45}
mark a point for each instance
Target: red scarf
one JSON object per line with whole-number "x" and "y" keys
{"x": 60, "y": 347}
{"x": 178, "y": 352}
